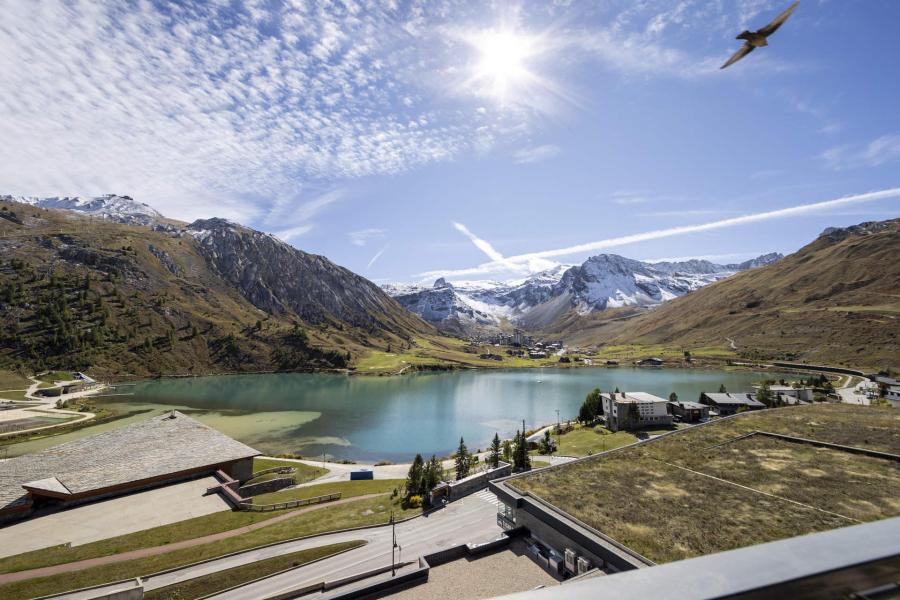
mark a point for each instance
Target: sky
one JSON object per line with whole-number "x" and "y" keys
{"x": 472, "y": 140}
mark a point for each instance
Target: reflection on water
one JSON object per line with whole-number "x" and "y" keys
{"x": 392, "y": 418}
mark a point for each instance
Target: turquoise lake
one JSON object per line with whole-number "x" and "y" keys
{"x": 392, "y": 418}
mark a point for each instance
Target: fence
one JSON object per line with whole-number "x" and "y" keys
{"x": 279, "y": 470}
{"x": 289, "y": 504}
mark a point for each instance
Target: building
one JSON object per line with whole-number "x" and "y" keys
{"x": 804, "y": 394}
{"x": 634, "y": 410}
{"x": 728, "y": 404}
{"x": 650, "y": 362}
{"x": 158, "y": 451}
{"x": 890, "y": 387}
{"x": 688, "y": 412}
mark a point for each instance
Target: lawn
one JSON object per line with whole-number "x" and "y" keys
{"x": 10, "y": 380}
{"x": 630, "y": 352}
{"x": 683, "y": 491}
{"x": 223, "y": 580}
{"x": 302, "y": 473}
{"x": 18, "y": 395}
{"x": 368, "y": 511}
{"x": 584, "y": 441}
{"x": 446, "y": 352}
{"x": 347, "y": 489}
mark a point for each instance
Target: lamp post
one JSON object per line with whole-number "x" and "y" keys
{"x": 393, "y": 544}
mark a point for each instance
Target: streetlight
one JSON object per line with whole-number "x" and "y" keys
{"x": 393, "y": 544}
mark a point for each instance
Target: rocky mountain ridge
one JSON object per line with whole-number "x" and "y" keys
{"x": 601, "y": 282}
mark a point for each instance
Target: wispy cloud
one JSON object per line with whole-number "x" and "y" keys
{"x": 375, "y": 258}
{"x": 536, "y": 154}
{"x": 292, "y": 219}
{"x": 213, "y": 108}
{"x": 364, "y": 236}
{"x": 879, "y": 151}
{"x": 528, "y": 259}
{"x": 286, "y": 235}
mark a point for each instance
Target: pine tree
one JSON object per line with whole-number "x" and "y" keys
{"x": 494, "y": 456}
{"x": 722, "y": 389}
{"x": 415, "y": 479}
{"x": 507, "y": 451}
{"x": 673, "y": 397}
{"x": 463, "y": 460}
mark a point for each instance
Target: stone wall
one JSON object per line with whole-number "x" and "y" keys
{"x": 265, "y": 487}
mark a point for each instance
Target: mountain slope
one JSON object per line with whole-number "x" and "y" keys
{"x": 79, "y": 292}
{"x": 836, "y": 300}
{"x": 602, "y": 282}
{"x": 121, "y": 209}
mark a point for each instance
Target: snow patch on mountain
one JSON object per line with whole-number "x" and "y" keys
{"x": 601, "y": 282}
{"x": 122, "y": 209}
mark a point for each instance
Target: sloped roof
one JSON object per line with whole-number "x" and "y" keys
{"x": 748, "y": 399}
{"x": 147, "y": 449}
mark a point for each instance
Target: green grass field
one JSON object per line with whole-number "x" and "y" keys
{"x": 584, "y": 441}
{"x": 223, "y": 580}
{"x": 347, "y": 489}
{"x": 13, "y": 381}
{"x": 369, "y": 511}
{"x": 302, "y": 472}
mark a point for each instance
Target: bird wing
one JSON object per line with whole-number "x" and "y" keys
{"x": 779, "y": 21}
{"x": 741, "y": 53}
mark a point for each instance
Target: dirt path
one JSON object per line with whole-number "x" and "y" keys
{"x": 155, "y": 550}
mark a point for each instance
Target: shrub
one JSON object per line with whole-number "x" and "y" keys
{"x": 414, "y": 501}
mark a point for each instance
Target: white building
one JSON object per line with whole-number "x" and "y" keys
{"x": 633, "y": 410}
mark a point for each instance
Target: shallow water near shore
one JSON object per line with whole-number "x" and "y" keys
{"x": 392, "y": 418}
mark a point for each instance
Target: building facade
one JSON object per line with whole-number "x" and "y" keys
{"x": 634, "y": 410}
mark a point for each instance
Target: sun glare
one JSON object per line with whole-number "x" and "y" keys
{"x": 502, "y": 62}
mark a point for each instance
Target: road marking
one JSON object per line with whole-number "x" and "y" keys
{"x": 487, "y": 496}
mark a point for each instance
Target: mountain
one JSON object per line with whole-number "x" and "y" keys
{"x": 126, "y": 298}
{"x": 121, "y": 209}
{"x": 835, "y": 301}
{"x": 602, "y": 282}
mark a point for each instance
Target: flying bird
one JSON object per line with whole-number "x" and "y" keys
{"x": 757, "y": 39}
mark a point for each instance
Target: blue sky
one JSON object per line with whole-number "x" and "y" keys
{"x": 406, "y": 140}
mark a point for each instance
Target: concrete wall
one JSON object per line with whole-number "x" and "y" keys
{"x": 265, "y": 487}
{"x": 242, "y": 470}
{"x": 473, "y": 483}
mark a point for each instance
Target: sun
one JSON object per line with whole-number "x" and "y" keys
{"x": 502, "y": 64}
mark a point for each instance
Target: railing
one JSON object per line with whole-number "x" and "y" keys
{"x": 282, "y": 469}
{"x": 290, "y": 503}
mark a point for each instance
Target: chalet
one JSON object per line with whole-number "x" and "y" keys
{"x": 729, "y": 404}
{"x": 650, "y": 362}
{"x": 688, "y": 412}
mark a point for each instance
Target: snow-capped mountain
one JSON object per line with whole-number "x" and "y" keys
{"x": 601, "y": 282}
{"x": 122, "y": 209}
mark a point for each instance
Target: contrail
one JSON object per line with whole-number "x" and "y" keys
{"x": 481, "y": 244}
{"x": 375, "y": 258}
{"x": 524, "y": 259}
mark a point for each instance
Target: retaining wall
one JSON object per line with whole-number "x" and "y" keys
{"x": 265, "y": 487}
{"x": 473, "y": 483}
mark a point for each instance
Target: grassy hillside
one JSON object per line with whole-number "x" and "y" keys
{"x": 78, "y": 293}
{"x": 836, "y": 301}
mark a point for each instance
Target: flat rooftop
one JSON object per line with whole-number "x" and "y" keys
{"x": 160, "y": 446}
{"x": 708, "y": 488}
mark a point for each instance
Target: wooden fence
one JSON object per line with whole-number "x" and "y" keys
{"x": 289, "y": 504}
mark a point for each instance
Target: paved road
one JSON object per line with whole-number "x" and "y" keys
{"x": 855, "y": 393}
{"x": 472, "y": 519}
